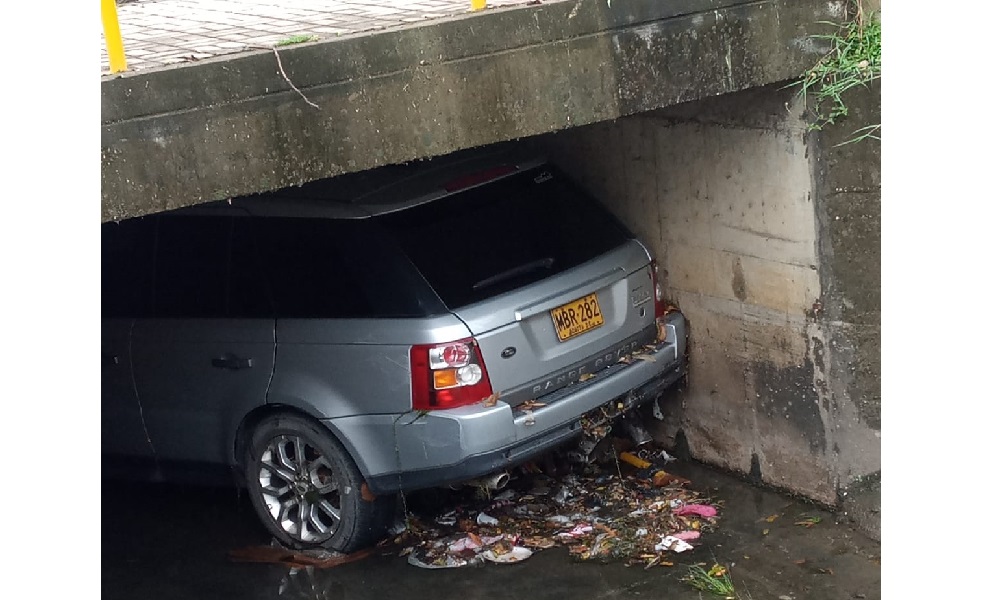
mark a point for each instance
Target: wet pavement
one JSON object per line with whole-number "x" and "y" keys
{"x": 162, "y": 541}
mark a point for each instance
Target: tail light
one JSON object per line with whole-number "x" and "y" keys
{"x": 659, "y": 295}
{"x": 448, "y": 375}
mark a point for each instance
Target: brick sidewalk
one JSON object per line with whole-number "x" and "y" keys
{"x": 157, "y": 33}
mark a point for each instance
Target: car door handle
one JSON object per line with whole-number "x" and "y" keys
{"x": 232, "y": 362}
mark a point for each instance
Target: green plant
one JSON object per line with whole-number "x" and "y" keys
{"x": 808, "y": 521}
{"x": 297, "y": 39}
{"x": 854, "y": 59}
{"x": 714, "y": 581}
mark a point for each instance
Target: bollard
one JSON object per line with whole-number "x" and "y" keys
{"x": 113, "y": 36}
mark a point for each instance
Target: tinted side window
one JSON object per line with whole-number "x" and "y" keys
{"x": 192, "y": 258}
{"x": 127, "y": 267}
{"x": 309, "y": 268}
{"x": 249, "y": 295}
{"x": 331, "y": 268}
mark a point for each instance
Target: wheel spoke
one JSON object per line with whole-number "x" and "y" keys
{"x": 280, "y": 444}
{"x": 285, "y": 519}
{"x": 288, "y": 476}
{"x": 275, "y": 491}
{"x": 329, "y": 509}
{"x": 303, "y": 518}
{"x": 300, "y": 453}
{"x": 323, "y": 518}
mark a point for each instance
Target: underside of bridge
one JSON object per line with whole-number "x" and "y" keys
{"x": 675, "y": 114}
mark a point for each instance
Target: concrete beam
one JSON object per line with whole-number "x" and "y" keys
{"x": 230, "y": 126}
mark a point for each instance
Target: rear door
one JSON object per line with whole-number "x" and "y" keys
{"x": 544, "y": 276}
{"x": 204, "y": 358}
{"x": 126, "y": 267}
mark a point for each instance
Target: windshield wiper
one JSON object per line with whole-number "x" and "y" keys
{"x": 541, "y": 263}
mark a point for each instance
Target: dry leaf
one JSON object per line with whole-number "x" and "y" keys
{"x": 771, "y": 519}
{"x": 529, "y": 404}
{"x": 645, "y": 357}
{"x": 492, "y": 400}
{"x": 366, "y": 494}
{"x": 766, "y": 531}
{"x": 585, "y": 377}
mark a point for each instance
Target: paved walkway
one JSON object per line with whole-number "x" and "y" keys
{"x": 157, "y": 33}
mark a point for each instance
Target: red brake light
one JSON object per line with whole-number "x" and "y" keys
{"x": 448, "y": 375}
{"x": 449, "y": 355}
{"x": 468, "y": 181}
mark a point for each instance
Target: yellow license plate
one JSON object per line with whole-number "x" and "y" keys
{"x": 576, "y": 317}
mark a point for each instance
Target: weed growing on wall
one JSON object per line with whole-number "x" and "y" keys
{"x": 854, "y": 59}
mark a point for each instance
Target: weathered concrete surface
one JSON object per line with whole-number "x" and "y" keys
{"x": 230, "y": 126}
{"x": 848, "y": 202}
{"x": 775, "y": 265}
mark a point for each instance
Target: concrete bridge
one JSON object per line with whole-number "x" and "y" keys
{"x": 674, "y": 112}
{"x": 233, "y": 125}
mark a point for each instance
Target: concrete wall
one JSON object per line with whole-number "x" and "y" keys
{"x": 230, "y": 126}
{"x": 776, "y": 268}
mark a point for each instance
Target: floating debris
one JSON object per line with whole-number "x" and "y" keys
{"x": 609, "y": 509}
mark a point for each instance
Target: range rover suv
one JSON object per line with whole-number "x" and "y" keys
{"x": 342, "y": 342}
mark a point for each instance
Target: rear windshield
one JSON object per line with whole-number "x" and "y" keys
{"x": 501, "y": 236}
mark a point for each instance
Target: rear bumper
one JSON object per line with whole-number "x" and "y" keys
{"x": 411, "y": 451}
{"x": 517, "y": 453}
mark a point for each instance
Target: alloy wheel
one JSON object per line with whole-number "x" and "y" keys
{"x": 299, "y": 486}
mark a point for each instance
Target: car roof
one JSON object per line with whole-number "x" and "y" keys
{"x": 382, "y": 190}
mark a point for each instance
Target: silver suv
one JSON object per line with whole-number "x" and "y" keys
{"x": 341, "y": 342}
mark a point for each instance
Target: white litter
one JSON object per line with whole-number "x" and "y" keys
{"x": 669, "y": 542}
{"x": 516, "y": 554}
{"x": 485, "y": 519}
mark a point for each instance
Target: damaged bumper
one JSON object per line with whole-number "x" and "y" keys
{"x": 407, "y": 452}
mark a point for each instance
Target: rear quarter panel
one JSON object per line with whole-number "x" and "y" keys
{"x": 332, "y": 368}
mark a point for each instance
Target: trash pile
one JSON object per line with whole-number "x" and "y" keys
{"x": 629, "y": 508}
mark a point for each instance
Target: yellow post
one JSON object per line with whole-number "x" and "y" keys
{"x": 478, "y": 4}
{"x": 113, "y": 36}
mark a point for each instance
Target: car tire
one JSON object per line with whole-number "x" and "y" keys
{"x": 308, "y": 491}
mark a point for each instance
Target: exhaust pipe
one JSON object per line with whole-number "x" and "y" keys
{"x": 497, "y": 481}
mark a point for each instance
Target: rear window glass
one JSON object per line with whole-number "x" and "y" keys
{"x": 501, "y": 236}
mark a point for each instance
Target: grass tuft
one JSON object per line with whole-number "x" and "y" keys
{"x": 714, "y": 581}
{"x": 854, "y": 59}
{"x": 297, "y": 39}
